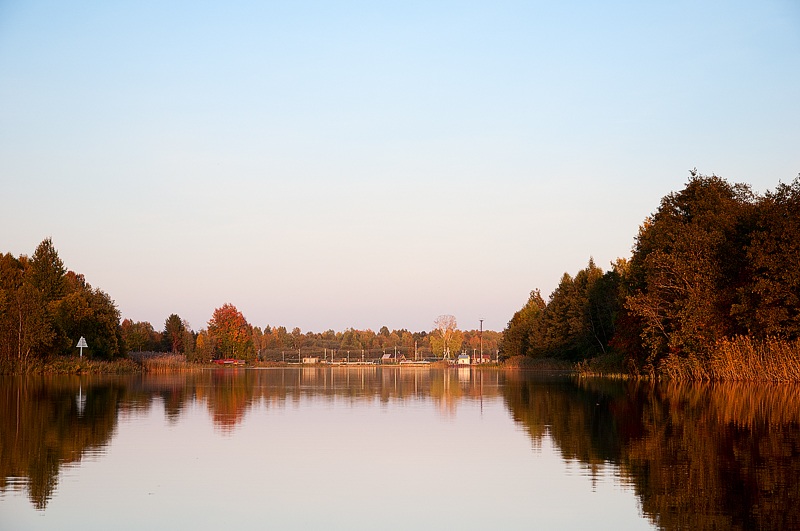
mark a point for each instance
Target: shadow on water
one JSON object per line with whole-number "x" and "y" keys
{"x": 714, "y": 456}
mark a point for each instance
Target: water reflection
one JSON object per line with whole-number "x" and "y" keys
{"x": 48, "y": 422}
{"x": 713, "y": 456}
{"x": 697, "y": 456}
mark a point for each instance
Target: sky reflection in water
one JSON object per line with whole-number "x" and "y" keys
{"x": 391, "y": 449}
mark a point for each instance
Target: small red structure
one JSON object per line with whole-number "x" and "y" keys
{"x": 229, "y": 361}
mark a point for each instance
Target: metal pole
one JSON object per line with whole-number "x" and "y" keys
{"x": 481, "y": 336}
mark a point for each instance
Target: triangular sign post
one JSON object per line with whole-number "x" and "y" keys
{"x": 81, "y": 344}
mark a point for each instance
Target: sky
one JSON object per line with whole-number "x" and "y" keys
{"x": 340, "y": 164}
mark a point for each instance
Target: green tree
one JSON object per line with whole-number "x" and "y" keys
{"x": 576, "y": 323}
{"x": 90, "y": 313}
{"x": 520, "y": 330}
{"x": 47, "y": 272}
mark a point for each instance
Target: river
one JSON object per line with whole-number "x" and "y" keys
{"x": 395, "y": 448}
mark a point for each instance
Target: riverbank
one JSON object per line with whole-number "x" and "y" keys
{"x": 70, "y": 365}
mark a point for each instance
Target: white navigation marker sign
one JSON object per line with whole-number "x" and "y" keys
{"x": 81, "y": 344}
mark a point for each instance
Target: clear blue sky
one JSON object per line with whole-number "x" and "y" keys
{"x": 359, "y": 164}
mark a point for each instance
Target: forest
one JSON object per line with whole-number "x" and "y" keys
{"x": 45, "y": 308}
{"x": 711, "y": 291}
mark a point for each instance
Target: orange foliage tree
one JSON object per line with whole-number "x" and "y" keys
{"x": 232, "y": 334}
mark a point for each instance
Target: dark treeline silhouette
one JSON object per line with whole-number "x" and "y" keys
{"x": 713, "y": 283}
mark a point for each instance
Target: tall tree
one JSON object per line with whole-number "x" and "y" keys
{"x": 684, "y": 268}
{"x": 47, "y": 272}
{"x": 91, "y": 313}
{"x": 173, "y": 335}
{"x": 232, "y": 333}
{"x": 769, "y": 302}
{"x": 445, "y": 327}
{"x": 520, "y": 330}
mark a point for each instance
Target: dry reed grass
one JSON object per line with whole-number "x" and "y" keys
{"x": 70, "y": 365}
{"x": 741, "y": 358}
{"x": 539, "y": 364}
{"x": 608, "y": 365}
{"x": 159, "y": 362}
{"x": 741, "y": 403}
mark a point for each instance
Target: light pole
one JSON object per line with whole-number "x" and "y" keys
{"x": 480, "y": 335}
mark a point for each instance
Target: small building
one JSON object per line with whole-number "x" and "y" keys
{"x": 463, "y": 359}
{"x": 482, "y": 358}
{"x": 310, "y": 360}
{"x": 386, "y": 358}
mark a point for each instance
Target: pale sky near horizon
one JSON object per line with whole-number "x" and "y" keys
{"x": 360, "y": 164}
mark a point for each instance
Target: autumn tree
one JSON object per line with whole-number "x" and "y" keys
{"x": 684, "y": 272}
{"x": 174, "y": 334}
{"x": 26, "y": 328}
{"x": 298, "y": 339}
{"x": 45, "y": 309}
{"x": 232, "y": 334}
{"x": 139, "y": 335}
{"x": 768, "y": 303}
{"x": 205, "y": 345}
{"x": 443, "y": 334}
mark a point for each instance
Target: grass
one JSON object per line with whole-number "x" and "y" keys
{"x": 538, "y": 364}
{"x": 741, "y": 358}
{"x": 151, "y": 362}
{"x": 159, "y": 362}
{"x": 608, "y": 365}
{"x": 71, "y": 365}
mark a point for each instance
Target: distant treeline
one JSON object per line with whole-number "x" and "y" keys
{"x": 713, "y": 282}
{"x": 45, "y": 309}
{"x": 229, "y": 335}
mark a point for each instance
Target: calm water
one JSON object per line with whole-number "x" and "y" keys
{"x": 410, "y": 448}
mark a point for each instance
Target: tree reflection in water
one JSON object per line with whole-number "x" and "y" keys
{"x": 700, "y": 456}
{"x": 46, "y": 422}
{"x": 714, "y": 456}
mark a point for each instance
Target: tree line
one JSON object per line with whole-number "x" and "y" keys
{"x": 715, "y": 262}
{"x": 229, "y": 335}
{"x": 45, "y": 308}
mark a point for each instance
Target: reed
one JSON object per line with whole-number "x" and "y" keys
{"x": 161, "y": 362}
{"x": 71, "y": 365}
{"x": 740, "y": 358}
{"x": 609, "y": 365}
{"x": 538, "y": 364}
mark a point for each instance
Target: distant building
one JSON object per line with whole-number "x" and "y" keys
{"x": 482, "y": 358}
{"x": 463, "y": 359}
{"x": 310, "y": 360}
